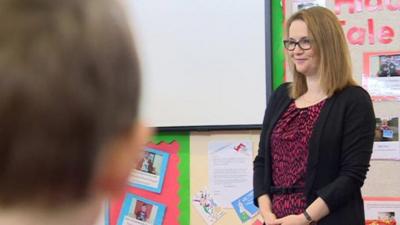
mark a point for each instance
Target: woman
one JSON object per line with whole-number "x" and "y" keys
{"x": 318, "y": 131}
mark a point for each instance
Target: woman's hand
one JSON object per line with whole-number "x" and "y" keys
{"x": 269, "y": 218}
{"x": 291, "y": 220}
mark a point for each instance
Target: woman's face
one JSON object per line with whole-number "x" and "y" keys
{"x": 305, "y": 60}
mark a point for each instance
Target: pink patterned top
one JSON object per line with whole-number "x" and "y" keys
{"x": 289, "y": 151}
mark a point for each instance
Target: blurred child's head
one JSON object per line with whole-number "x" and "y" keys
{"x": 69, "y": 92}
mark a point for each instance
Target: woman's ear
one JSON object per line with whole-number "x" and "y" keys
{"x": 119, "y": 157}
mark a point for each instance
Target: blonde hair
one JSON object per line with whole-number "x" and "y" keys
{"x": 330, "y": 46}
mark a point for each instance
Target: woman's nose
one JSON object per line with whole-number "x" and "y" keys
{"x": 297, "y": 50}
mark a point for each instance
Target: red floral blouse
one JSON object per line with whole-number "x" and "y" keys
{"x": 289, "y": 151}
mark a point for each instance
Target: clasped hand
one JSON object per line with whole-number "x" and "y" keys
{"x": 270, "y": 219}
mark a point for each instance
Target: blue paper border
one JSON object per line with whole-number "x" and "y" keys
{"x": 106, "y": 213}
{"x": 163, "y": 169}
{"x": 127, "y": 205}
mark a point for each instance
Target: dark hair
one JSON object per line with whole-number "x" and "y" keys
{"x": 69, "y": 83}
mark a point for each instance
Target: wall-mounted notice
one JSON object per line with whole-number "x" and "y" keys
{"x": 382, "y": 75}
{"x": 382, "y": 211}
{"x": 230, "y": 170}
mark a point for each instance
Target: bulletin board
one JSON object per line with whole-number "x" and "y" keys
{"x": 163, "y": 190}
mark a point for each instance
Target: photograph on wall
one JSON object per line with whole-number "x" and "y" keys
{"x": 389, "y": 65}
{"x": 382, "y": 211}
{"x": 230, "y": 169}
{"x": 382, "y": 75}
{"x": 386, "y": 140}
{"x": 140, "y": 211}
{"x": 149, "y": 173}
{"x": 305, "y": 4}
{"x": 244, "y": 207}
{"x": 206, "y": 206}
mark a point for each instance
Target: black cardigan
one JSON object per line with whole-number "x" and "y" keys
{"x": 340, "y": 149}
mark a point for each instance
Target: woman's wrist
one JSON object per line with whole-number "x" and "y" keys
{"x": 307, "y": 218}
{"x": 302, "y": 219}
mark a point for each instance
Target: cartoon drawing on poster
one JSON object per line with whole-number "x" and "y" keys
{"x": 244, "y": 207}
{"x": 206, "y": 206}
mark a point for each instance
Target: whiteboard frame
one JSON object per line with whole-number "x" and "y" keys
{"x": 268, "y": 82}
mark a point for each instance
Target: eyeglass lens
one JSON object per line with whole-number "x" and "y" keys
{"x": 304, "y": 44}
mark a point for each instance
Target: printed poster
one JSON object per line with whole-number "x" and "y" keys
{"x": 382, "y": 75}
{"x": 382, "y": 211}
{"x": 230, "y": 170}
{"x": 244, "y": 207}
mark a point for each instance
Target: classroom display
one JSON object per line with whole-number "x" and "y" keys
{"x": 193, "y": 195}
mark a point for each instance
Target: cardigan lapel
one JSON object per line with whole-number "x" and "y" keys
{"x": 282, "y": 107}
{"x": 282, "y": 104}
{"x": 314, "y": 142}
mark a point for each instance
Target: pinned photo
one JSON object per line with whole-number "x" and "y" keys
{"x": 387, "y": 216}
{"x": 381, "y": 75}
{"x": 386, "y": 140}
{"x": 382, "y": 211}
{"x": 149, "y": 174}
{"x": 137, "y": 210}
{"x": 305, "y": 4}
{"x": 389, "y": 65}
{"x": 387, "y": 129}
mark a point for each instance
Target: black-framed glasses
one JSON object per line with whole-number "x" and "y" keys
{"x": 304, "y": 43}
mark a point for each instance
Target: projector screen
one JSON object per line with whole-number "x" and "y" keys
{"x": 203, "y": 61}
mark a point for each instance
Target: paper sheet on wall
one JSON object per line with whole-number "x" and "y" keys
{"x": 304, "y": 4}
{"x": 386, "y": 141}
{"x": 230, "y": 170}
{"x": 381, "y": 75}
{"x": 382, "y": 211}
{"x": 244, "y": 207}
{"x": 206, "y": 206}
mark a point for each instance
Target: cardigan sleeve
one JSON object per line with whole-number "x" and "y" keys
{"x": 260, "y": 170}
{"x": 356, "y": 150}
{"x": 259, "y": 166}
